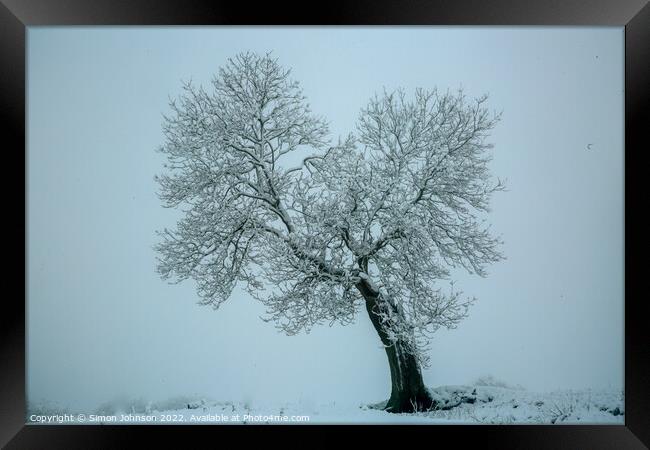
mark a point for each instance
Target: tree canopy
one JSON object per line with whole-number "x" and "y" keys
{"x": 390, "y": 208}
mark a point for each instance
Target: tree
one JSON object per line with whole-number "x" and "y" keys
{"x": 376, "y": 219}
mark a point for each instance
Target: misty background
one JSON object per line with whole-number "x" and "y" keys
{"x": 102, "y": 324}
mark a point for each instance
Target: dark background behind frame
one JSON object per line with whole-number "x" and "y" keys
{"x": 634, "y": 14}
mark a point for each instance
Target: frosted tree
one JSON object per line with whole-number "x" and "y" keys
{"x": 376, "y": 220}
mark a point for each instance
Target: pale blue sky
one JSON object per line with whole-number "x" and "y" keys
{"x": 100, "y": 321}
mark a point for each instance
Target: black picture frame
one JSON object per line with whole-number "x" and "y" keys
{"x": 16, "y": 15}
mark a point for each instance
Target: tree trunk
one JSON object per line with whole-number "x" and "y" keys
{"x": 408, "y": 393}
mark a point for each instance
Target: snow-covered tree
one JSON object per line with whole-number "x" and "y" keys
{"x": 376, "y": 219}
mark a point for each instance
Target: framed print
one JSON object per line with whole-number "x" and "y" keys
{"x": 390, "y": 218}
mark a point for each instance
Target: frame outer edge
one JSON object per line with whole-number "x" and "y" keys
{"x": 12, "y": 317}
{"x": 18, "y": 14}
{"x": 637, "y": 96}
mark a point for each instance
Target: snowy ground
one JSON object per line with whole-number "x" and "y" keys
{"x": 477, "y": 404}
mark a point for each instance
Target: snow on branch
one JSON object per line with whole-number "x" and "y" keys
{"x": 386, "y": 212}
